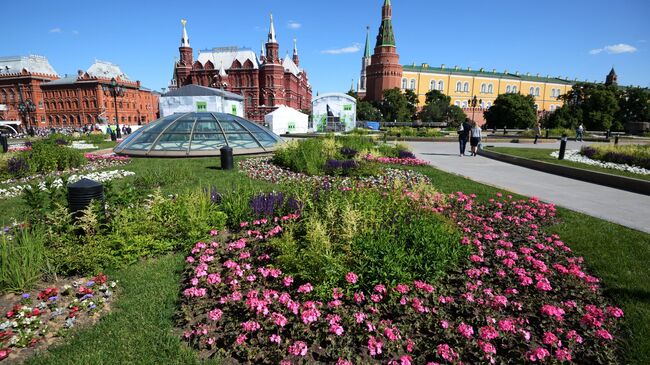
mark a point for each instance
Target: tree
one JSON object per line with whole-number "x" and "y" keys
{"x": 634, "y": 106}
{"x": 395, "y": 107}
{"x": 367, "y": 111}
{"x": 412, "y": 99}
{"x": 599, "y": 108}
{"x": 455, "y": 116}
{"x": 436, "y": 107}
{"x": 512, "y": 110}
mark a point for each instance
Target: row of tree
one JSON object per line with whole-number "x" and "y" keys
{"x": 595, "y": 106}
{"x": 398, "y": 106}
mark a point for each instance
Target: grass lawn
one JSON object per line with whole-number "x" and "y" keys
{"x": 141, "y": 328}
{"x": 544, "y": 155}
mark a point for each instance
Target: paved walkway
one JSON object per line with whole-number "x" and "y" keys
{"x": 622, "y": 207}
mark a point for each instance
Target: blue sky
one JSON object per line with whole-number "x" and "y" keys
{"x": 578, "y": 38}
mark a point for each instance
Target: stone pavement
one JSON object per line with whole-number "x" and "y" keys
{"x": 618, "y": 206}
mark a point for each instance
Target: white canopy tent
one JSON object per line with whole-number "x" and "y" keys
{"x": 286, "y": 120}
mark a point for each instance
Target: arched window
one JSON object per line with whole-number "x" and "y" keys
{"x": 459, "y": 86}
{"x": 4, "y": 96}
{"x": 537, "y": 91}
{"x": 508, "y": 89}
{"x": 12, "y": 97}
{"x": 441, "y": 85}
{"x": 553, "y": 106}
{"x": 489, "y": 104}
{"x": 482, "y": 105}
{"x": 514, "y": 89}
{"x": 464, "y": 105}
{"x": 270, "y": 100}
{"x": 250, "y": 100}
{"x": 466, "y": 87}
{"x": 483, "y": 88}
{"x": 490, "y": 89}
{"x": 432, "y": 85}
{"x": 404, "y": 84}
{"x": 412, "y": 84}
{"x": 457, "y": 103}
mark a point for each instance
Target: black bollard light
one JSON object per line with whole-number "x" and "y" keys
{"x": 562, "y": 147}
{"x": 4, "y": 144}
{"x": 226, "y": 158}
{"x": 547, "y": 134}
{"x": 616, "y": 140}
{"x": 81, "y": 193}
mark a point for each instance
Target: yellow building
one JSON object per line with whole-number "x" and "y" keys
{"x": 463, "y": 84}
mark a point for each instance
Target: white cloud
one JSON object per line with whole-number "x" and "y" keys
{"x": 614, "y": 49}
{"x": 75, "y": 32}
{"x": 293, "y": 25}
{"x": 350, "y": 49}
{"x": 55, "y": 30}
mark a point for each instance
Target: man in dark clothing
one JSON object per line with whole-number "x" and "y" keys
{"x": 463, "y": 135}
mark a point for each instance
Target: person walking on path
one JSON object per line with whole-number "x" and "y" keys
{"x": 579, "y": 131}
{"x": 538, "y": 132}
{"x": 463, "y": 135}
{"x": 475, "y": 137}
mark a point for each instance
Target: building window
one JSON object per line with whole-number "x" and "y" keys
{"x": 271, "y": 100}
{"x": 464, "y": 105}
{"x": 483, "y": 88}
{"x": 250, "y": 100}
{"x": 514, "y": 89}
{"x": 412, "y": 84}
{"x": 457, "y": 103}
{"x": 404, "y": 84}
{"x": 532, "y": 91}
{"x": 482, "y": 105}
{"x": 12, "y": 97}
{"x": 459, "y": 86}
{"x": 4, "y": 96}
{"x": 466, "y": 87}
{"x": 553, "y": 106}
{"x": 489, "y": 104}
{"x": 40, "y": 104}
{"x": 441, "y": 85}
{"x": 537, "y": 91}
{"x": 508, "y": 89}
{"x": 432, "y": 85}
{"x": 490, "y": 90}
{"x": 201, "y": 106}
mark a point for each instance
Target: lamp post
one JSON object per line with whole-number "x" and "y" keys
{"x": 26, "y": 108}
{"x": 472, "y": 102}
{"x": 116, "y": 91}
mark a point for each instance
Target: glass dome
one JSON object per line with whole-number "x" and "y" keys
{"x": 198, "y": 134}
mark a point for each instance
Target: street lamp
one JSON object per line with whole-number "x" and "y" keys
{"x": 26, "y": 108}
{"x": 116, "y": 91}
{"x": 472, "y": 102}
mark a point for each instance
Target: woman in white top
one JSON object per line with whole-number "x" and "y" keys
{"x": 475, "y": 137}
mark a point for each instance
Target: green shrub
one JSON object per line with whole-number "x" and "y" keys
{"x": 307, "y": 156}
{"x": 155, "y": 176}
{"x": 22, "y": 260}
{"x": 47, "y": 157}
{"x": 94, "y": 138}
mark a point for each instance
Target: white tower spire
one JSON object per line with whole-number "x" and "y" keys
{"x": 272, "y": 32}
{"x": 295, "y": 47}
{"x": 185, "y": 41}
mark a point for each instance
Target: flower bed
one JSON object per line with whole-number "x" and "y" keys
{"x": 100, "y": 176}
{"x": 519, "y": 297}
{"x": 19, "y": 148}
{"x": 397, "y": 160}
{"x": 633, "y": 155}
{"x": 577, "y": 156}
{"x": 34, "y": 319}
{"x": 95, "y": 162}
{"x": 263, "y": 169}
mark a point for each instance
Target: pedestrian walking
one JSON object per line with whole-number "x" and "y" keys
{"x": 475, "y": 138}
{"x": 538, "y": 132}
{"x": 579, "y": 131}
{"x": 463, "y": 135}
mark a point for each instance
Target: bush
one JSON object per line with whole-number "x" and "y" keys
{"x": 95, "y": 138}
{"x": 22, "y": 259}
{"x": 47, "y": 157}
{"x": 633, "y": 155}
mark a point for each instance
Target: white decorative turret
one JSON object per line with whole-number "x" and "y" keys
{"x": 222, "y": 71}
{"x": 272, "y": 32}
{"x": 185, "y": 41}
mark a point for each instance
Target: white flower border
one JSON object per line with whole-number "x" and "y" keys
{"x": 100, "y": 176}
{"x": 575, "y": 156}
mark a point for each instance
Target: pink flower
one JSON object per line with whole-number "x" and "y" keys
{"x": 405, "y": 360}
{"x": 359, "y": 297}
{"x": 214, "y": 279}
{"x": 337, "y": 329}
{"x": 573, "y": 335}
{"x": 402, "y": 288}
{"x": 360, "y": 317}
{"x": 500, "y": 301}
{"x": 615, "y": 312}
{"x": 549, "y": 338}
{"x": 310, "y": 315}
{"x": 487, "y": 347}
{"x": 374, "y": 346}
{"x": 444, "y": 324}
{"x": 275, "y": 338}
{"x": 189, "y": 259}
{"x": 604, "y": 334}
{"x": 288, "y": 280}
{"x": 562, "y": 354}
{"x": 215, "y": 314}
{"x": 299, "y": 348}
{"x": 381, "y": 289}
{"x": 507, "y": 325}
{"x": 250, "y": 326}
{"x": 488, "y": 333}
{"x": 446, "y": 352}
{"x": 351, "y": 278}
{"x": 543, "y": 285}
{"x": 343, "y": 362}
{"x": 337, "y": 293}
{"x": 466, "y": 330}
{"x": 391, "y": 333}
{"x": 538, "y": 353}
{"x": 241, "y": 339}
{"x": 553, "y": 311}
{"x": 306, "y": 288}
{"x": 279, "y": 319}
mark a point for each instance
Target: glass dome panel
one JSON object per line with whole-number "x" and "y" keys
{"x": 198, "y": 134}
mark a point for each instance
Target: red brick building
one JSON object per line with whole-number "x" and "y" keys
{"x": 71, "y": 101}
{"x": 384, "y": 71}
{"x": 265, "y": 82}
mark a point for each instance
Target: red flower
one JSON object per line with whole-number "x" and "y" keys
{"x": 100, "y": 279}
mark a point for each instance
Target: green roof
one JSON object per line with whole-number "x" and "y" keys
{"x": 483, "y": 73}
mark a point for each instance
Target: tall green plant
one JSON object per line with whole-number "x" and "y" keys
{"x": 22, "y": 260}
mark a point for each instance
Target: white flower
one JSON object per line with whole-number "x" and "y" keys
{"x": 575, "y": 156}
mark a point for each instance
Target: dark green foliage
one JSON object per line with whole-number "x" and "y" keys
{"x": 511, "y": 111}
{"x": 395, "y": 107}
{"x": 437, "y": 109}
{"x": 47, "y": 156}
{"x": 367, "y": 111}
{"x": 22, "y": 259}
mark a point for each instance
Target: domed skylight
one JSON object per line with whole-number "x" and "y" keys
{"x": 198, "y": 134}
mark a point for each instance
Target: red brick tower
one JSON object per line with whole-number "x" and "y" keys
{"x": 272, "y": 74}
{"x": 296, "y": 59}
{"x": 184, "y": 66}
{"x": 384, "y": 71}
